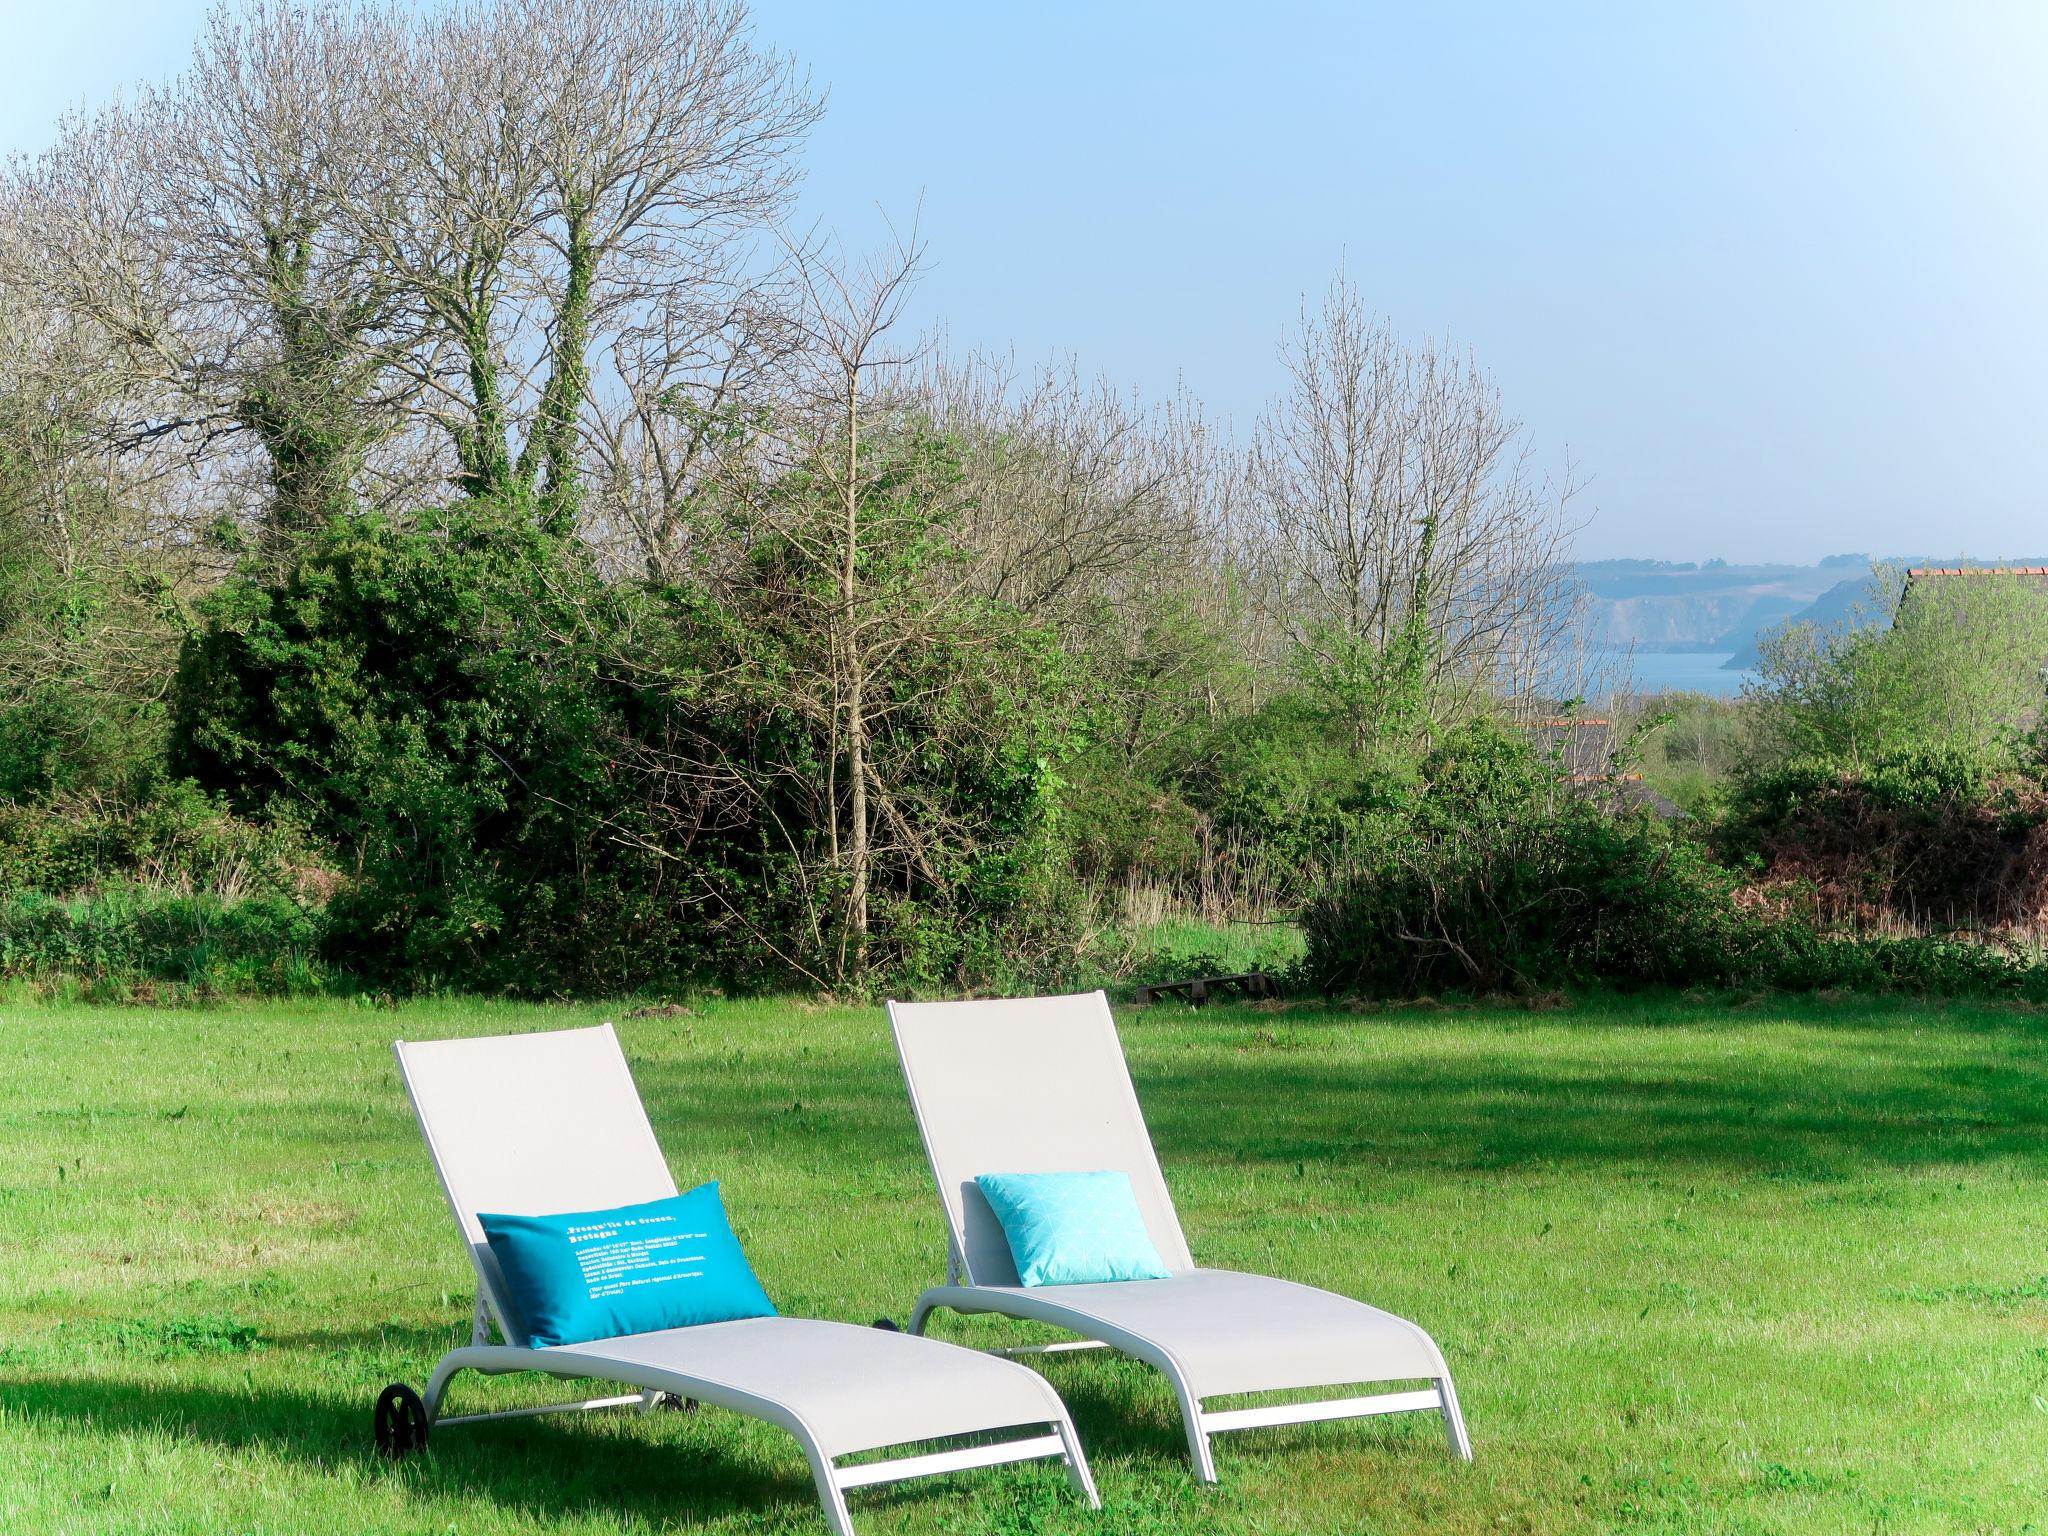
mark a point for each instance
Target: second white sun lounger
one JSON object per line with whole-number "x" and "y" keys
{"x": 542, "y": 1123}
{"x": 1039, "y": 1085}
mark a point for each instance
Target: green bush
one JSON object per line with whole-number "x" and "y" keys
{"x": 1284, "y": 774}
{"x": 1939, "y": 662}
{"x": 86, "y": 638}
{"x": 56, "y": 743}
{"x": 1928, "y": 836}
{"x": 126, "y": 935}
{"x": 1691, "y": 756}
{"x": 1493, "y": 877}
{"x": 541, "y": 782}
{"x": 178, "y": 839}
{"x": 1124, "y": 829}
{"x": 1920, "y": 779}
{"x": 1793, "y": 955}
{"x": 422, "y": 690}
{"x": 973, "y": 884}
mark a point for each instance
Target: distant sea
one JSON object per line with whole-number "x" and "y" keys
{"x": 1689, "y": 671}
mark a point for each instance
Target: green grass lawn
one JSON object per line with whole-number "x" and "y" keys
{"x": 1699, "y": 1267}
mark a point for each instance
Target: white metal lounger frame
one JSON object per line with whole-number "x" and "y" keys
{"x": 962, "y": 1294}
{"x": 653, "y": 1383}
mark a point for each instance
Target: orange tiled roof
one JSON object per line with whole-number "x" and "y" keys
{"x": 1977, "y": 570}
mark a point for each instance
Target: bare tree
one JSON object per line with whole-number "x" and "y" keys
{"x": 669, "y": 132}
{"x": 92, "y": 590}
{"x": 1086, "y": 510}
{"x": 1396, "y": 517}
{"x": 689, "y": 377}
{"x": 558, "y": 176}
{"x": 820, "y": 490}
{"x": 196, "y": 229}
{"x": 852, "y": 615}
{"x": 449, "y": 200}
{"x": 344, "y": 217}
{"x": 1075, "y": 489}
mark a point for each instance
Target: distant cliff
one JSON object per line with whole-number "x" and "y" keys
{"x": 1656, "y": 605}
{"x": 1841, "y": 604}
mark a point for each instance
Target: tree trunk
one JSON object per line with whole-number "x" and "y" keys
{"x": 854, "y": 689}
{"x": 551, "y": 455}
{"x": 485, "y": 464}
{"x": 300, "y": 407}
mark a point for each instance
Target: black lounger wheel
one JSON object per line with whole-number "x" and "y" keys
{"x": 401, "y": 1421}
{"x": 886, "y": 1324}
{"x": 674, "y": 1404}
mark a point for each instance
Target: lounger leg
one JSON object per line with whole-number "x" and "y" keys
{"x": 1454, "y": 1419}
{"x": 836, "y": 1513}
{"x": 1199, "y": 1452}
{"x": 437, "y": 1384}
{"x": 830, "y": 1495}
{"x": 1077, "y": 1464}
{"x": 1198, "y": 1437}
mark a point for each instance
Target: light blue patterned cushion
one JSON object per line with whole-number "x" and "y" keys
{"x": 1072, "y": 1228}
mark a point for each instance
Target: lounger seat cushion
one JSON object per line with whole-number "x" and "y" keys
{"x": 1245, "y": 1333}
{"x": 857, "y": 1388}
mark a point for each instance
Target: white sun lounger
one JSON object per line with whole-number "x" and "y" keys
{"x": 537, "y": 1124}
{"x": 1039, "y": 1085}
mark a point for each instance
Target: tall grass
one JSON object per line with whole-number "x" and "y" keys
{"x": 133, "y": 939}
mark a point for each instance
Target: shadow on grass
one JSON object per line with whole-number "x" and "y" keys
{"x": 544, "y": 1467}
{"x": 1823, "y": 1089}
{"x": 1804, "y": 1099}
{"x": 558, "y": 1468}
{"x": 1785, "y": 1117}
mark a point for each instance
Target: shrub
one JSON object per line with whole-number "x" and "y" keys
{"x": 1927, "y": 835}
{"x": 1492, "y": 875}
{"x": 1126, "y": 830}
{"x": 971, "y": 883}
{"x": 178, "y": 839}
{"x": 1495, "y": 877}
{"x": 128, "y": 935}
{"x": 1793, "y": 955}
{"x": 1693, "y": 753}
{"x": 544, "y": 783}
{"x": 1286, "y": 779}
{"x": 422, "y": 690}
{"x": 1941, "y": 662}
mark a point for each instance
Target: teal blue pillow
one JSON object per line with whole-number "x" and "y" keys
{"x": 1072, "y": 1228}
{"x": 587, "y": 1275}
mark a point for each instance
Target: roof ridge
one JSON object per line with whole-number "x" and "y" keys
{"x": 1977, "y": 570}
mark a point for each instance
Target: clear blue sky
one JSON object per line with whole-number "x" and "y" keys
{"x": 1776, "y": 273}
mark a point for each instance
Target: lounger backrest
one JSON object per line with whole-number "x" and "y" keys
{"x": 1025, "y": 1085}
{"x": 531, "y": 1125}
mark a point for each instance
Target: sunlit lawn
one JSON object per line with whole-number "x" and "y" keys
{"x": 1699, "y": 1267}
